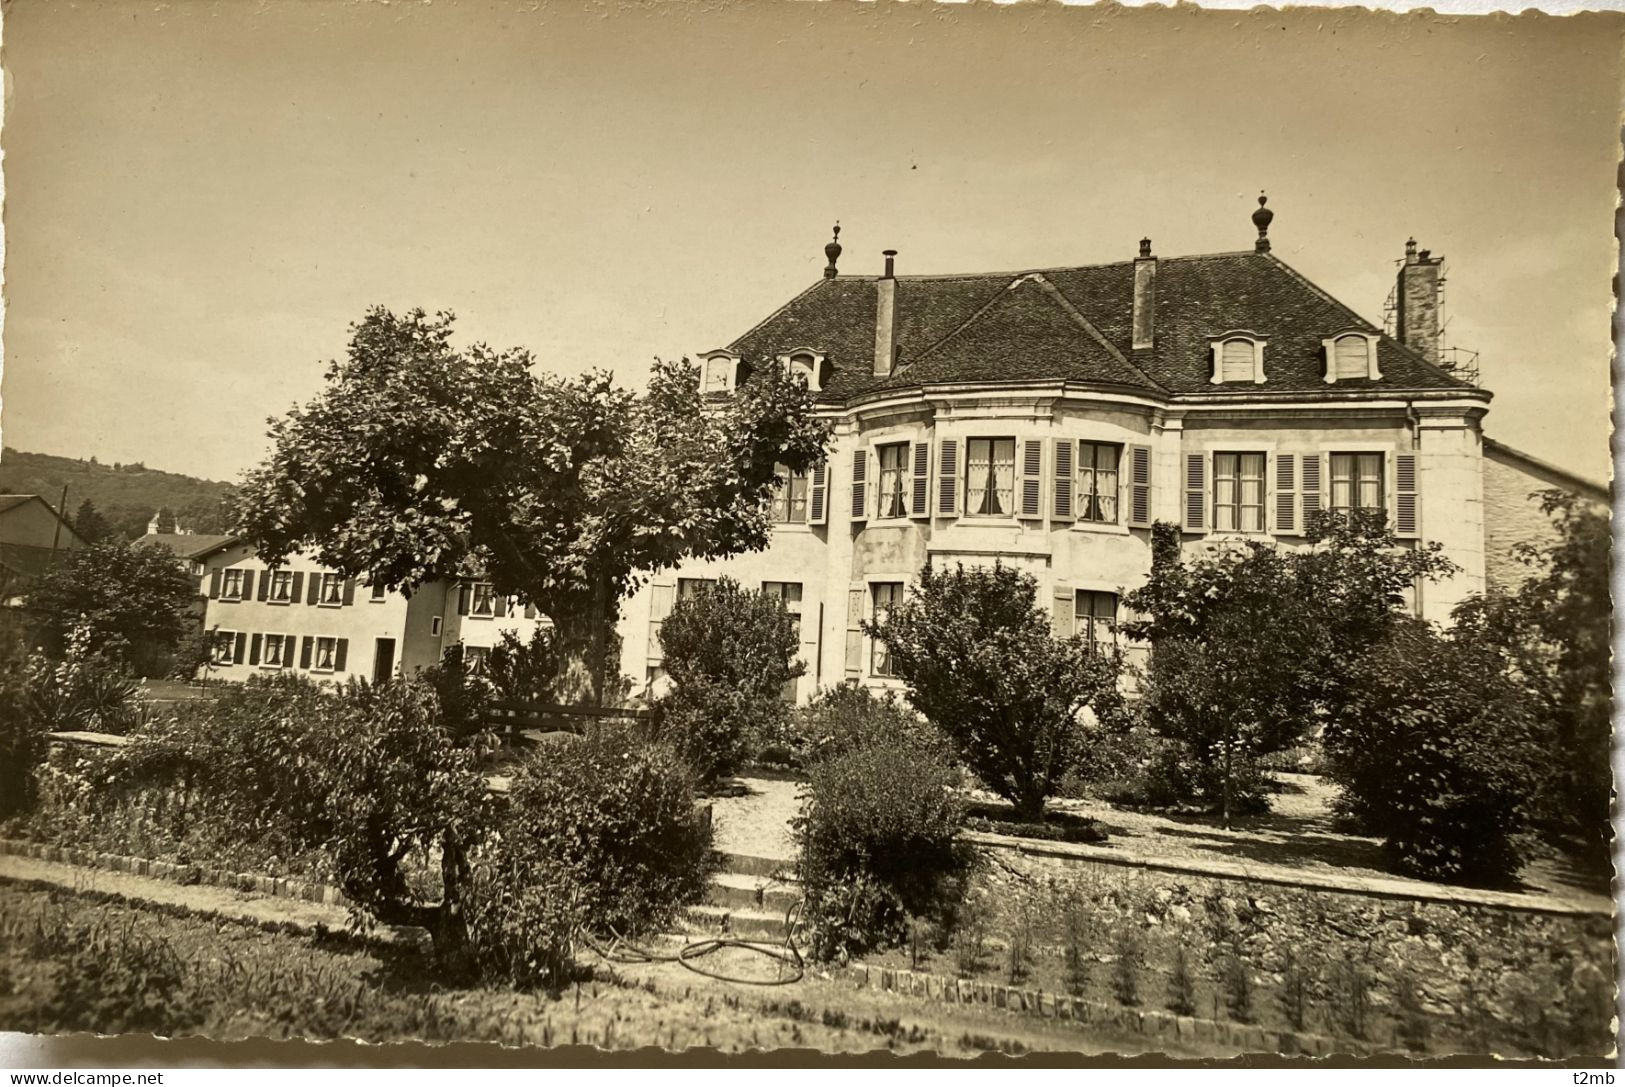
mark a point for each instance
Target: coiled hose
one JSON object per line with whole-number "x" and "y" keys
{"x": 624, "y": 951}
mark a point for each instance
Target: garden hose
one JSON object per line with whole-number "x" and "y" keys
{"x": 622, "y": 950}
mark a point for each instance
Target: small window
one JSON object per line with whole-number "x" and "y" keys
{"x": 332, "y": 590}
{"x": 886, "y": 596}
{"x": 199, "y": 569}
{"x": 1097, "y": 620}
{"x": 231, "y": 585}
{"x": 326, "y": 648}
{"x": 990, "y": 477}
{"x": 435, "y": 623}
{"x": 1238, "y": 492}
{"x": 690, "y": 587}
{"x": 893, "y": 472}
{"x": 276, "y": 651}
{"x": 379, "y": 590}
{"x": 475, "y": 657}
{"x": 1097, "y": 482}
{"x": 1351, "y": 356}
{"x": 224, "y": 643}
{"x": 719, "y": 372}
{"x": 789, "y": 497}
{"x": 1357, "y": 482}
{"x": 484, "y": 600}
{"x": 280, "y": 589}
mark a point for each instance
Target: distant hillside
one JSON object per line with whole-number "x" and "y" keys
{"x": 126, "y": 495}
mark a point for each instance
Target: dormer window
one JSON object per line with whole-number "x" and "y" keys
{"x": 806, "y": 364}
{"x": 719, "y": 372}
{"x": 1351, "y": 355}
{"x": 1238, "y": 357}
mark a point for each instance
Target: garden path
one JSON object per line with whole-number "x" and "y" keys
{"x": 757, "y": 822}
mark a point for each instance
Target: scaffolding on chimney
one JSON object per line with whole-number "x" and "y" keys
{"x": 1458, "y": 362}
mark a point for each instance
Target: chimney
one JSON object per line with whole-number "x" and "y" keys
{"x": 886, "y": 317}
{"x": 1145, "y": 297}
{"x": 1418, "y": 292}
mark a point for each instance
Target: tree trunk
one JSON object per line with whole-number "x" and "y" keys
{"x": 1228, "y": 771}
{"x": 600, "y": 639}
{"x": 1029, "y": 806}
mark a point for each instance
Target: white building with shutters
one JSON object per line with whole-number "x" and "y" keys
{"x": 1047, "y": 418}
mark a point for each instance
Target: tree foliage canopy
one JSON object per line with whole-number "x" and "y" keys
{"x": 981, "y": 662}
{"x": 131, "y": 603}
{"x": 419, "y": 460}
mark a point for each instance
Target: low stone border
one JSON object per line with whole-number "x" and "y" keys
{"x": 1150, "y": 1023}
{"x": 275, "y": 886}
{"x": 1394, "y": 888}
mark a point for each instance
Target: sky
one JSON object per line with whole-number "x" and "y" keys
{"x": 201, "y": 197}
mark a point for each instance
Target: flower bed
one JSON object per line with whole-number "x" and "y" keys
{"x": 1058, "y": 826}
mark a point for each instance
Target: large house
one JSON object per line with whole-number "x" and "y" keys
{"x": 304, "y": 617}
{"x": 1047, "y": 418}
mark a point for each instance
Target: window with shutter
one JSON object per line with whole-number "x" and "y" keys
{"x": 1061, "y": 494}
{"x": 254, "y": 649}
{"x": 341, "y": 655}
{"x": 263, "y": 588}
{"x": 1032, "y": 480}
{"x": 305, "y": 647}
{"x": 224, "y": 642}
{"x": 1096, "y": 620}
{"x": 1195, "y": 492}
{"x": 887, "y": 595}
{"x": 1351, "y": 356}
{"x": 240, "y": 648}
{"x": 789, "y": 496}
{"x": 282, "y": 587}
{"x": 298, "y": 586}
{"x": 247, "y": 590}
{"x": 920, "y": 491}
{"x": 1237, "y": 359}
{"x": 1357, "y": 482}
{"x": 1063, "y": 614}
{"x": 948, "y": 477}
{"x": 817, "y": 495}
{"x": 1286, "y": 493}
{"x": 1139, "y": 459}
{"x": 854, "y": 632}
{"x": 349, "y": 592}
{"x": 990, "y": 477}
{"x": 1407, "y": 500}
{"x": 1098, "y": 482}
{"x": 313, "y": 595}
{"x": 892, "y": 495}
{"x": 1238, "y": 492}
{"x": 214, "y": 584}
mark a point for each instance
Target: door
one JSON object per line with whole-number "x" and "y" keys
{"x": 383, "y": 661}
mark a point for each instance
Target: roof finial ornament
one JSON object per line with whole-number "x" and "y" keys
{"x": 833, "y": 252}
{"x": 1261, "y": 219}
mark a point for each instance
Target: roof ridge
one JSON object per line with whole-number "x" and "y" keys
{"x": 1019, "y": 272}
{"x": 759, "y": 324}
{"x": 1450, "y": 380}
{"x": 1072, "y": 310}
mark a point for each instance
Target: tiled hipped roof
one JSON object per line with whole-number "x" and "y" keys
{"x": 1075, "y": 324}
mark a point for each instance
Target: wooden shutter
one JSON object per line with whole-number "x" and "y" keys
{"x": 254, "y": 649}
{"x": 241, "y": 647}
{"x": 315, "y": 594}
{"x": 1286, "y": 494}
{"x": 816, "y": 495}
{"x": 214, "y": 585}
{"x": 465, "y": 592}
{"x": 661, "y": 597}
{"x": 349, "y": 591}
{"x": 530, "y": 611}
{"x": 948, "y": 477}
{"x": 1407, "y": 511}
{"x": 298, "y": 586}
{"x": 305, "y": 647}
{"x": 1032, "y": 478}
{"x": 1195, "y": 492}
{"x": 248, "y": 585}
{"x": 854, "y": 631}
{"x": 919, "y": 499}
{"x": 340, "y": 654}
{"x": 265, "y": 585}
{"x": 1139, "y": 486}
{"x": 1309, "y": 483}
{"x": 1065, "y": 473}
{"x": 1065, "y": 617}
{"x": 860, "y": 484}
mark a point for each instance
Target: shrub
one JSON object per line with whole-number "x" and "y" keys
{"x": 982, "y": 664}
{"x": 729, "y": 653}
{"x": 1435, "y": 751}
{"x": 1181, "y": 984}
{"x": 849, "y": 717}
{"x": 22, "y": 746}
{"x": 1129, "y": 948}
{"x": 878, "y": 835}
{"x": 130, "y": 602}
{"x": 462, "y": 694}
{"x": 527, "y": 671}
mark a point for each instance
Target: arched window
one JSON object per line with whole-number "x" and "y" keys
{"x": 1238, "y": 358}
{"x": 1351, "y": 355}
{"x": 805, "y": 364}
{"x": 719, "y": 372}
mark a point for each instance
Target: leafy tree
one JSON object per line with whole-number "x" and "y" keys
{"x": 419, "y": 459}
{"x": 729, "y": 651}
{"x": 1553, "y": 637}
{"x": 1252, "y": 644}
{"x": 132, "y": 602}
{"x": 982, "y": 664}
{"x": 166, "y": 520}
{"x": 91, "y": 525}
{"x": 1435, "y": 748}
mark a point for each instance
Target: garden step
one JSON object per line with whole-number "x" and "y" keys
{"x": 752, "y": 892}
{"x": 752, "y": 866}
{"x": 746, "y": 924}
